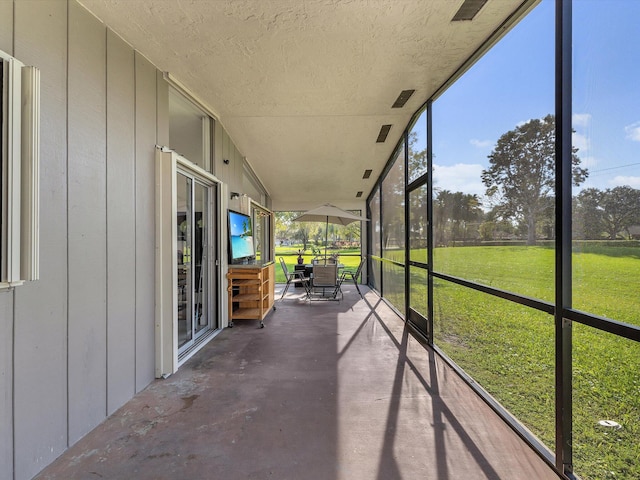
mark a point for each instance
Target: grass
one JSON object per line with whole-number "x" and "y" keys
{"x": 525, "y": 270}
{"x": 350, "y": 258}
{"x": 509, "y": 349}
{"x": 606, "y": 279}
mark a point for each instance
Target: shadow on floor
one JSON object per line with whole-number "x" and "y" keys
{"x": 327, "y": 391}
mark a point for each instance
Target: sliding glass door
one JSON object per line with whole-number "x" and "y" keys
{"x": 194, "y": 299}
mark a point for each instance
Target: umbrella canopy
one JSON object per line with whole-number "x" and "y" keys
{"x": 328, "y": 213}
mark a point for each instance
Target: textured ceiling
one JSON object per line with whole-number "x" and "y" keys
{"x": 303, "y": 86}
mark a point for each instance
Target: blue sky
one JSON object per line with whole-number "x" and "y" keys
{"x": 513, "y": 83}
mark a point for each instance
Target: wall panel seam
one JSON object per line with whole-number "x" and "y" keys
{"x": 106, "y": 219}
{"x": 135, "y": 221}
{"x": 13, "y": 381}
{"x": 67, "y": 219}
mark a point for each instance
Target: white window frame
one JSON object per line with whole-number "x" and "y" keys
{"x": 19, "y": 234}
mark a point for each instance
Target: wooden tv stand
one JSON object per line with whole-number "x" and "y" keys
{"x": 250, "y": 291}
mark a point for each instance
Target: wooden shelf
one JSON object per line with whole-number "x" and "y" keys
{"x": 251, "y": 292}
{"x": 245, "y": 281}
{"x": 247, "y": 313}
{"x": 247, "y": 297}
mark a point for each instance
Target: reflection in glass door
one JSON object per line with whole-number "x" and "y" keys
{"x": 193, "y": 260}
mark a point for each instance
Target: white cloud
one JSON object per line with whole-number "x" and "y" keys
{"x": 581, "y": 119}
{"x": 633, "y": 131}
{"x": 581, "y": 141}
{"x": 461, "y": 177}
{"x": 621, "y": 180}
{"x": 480, "y": 143}
{"x": 588, "y": 161}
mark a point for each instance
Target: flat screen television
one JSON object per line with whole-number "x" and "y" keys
{"x": 241, "y": 247}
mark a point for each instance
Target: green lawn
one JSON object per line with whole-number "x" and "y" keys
{"x": 509, "y": 349}
{"x": 350, "y": 258}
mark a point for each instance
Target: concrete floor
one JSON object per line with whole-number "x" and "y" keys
{"x": 327, "y": 391}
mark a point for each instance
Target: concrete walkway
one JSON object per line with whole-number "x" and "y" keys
{"x": 326, "y": 391}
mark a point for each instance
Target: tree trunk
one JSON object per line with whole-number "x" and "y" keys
{"x": 531, "y": 234}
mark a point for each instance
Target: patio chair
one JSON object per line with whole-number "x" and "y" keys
{"x": 296, "y": 277}
{"x": 325, "y": 277}
{"x": 354, "y": 275}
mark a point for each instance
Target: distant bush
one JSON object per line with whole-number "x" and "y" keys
{"x": 546, "y": 243}
{"x": 606, "y": 243}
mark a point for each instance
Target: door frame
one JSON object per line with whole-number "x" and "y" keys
{"x": 168, "y": 164}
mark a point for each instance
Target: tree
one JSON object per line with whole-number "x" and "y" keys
{"x": 496, "y": 227}
{"x": 453, "y": 214}
{"x": 352, "y": 231}
{"x": 286, "y": 228}
{"x": 546, "y": 222}
{"x": 283, "y": 226}
{"x": 441, "y": 215}
{"x": 467, "y": 211}
{"x": 522, "y": 173}
{"x": 621, "y": 210}
{"x": 318, "y": 236}
{"x": 588, "y": 222}
{"x": 392, "y": 211}
{"x": 417, "y": 158}
{"x": 303, "y": 233}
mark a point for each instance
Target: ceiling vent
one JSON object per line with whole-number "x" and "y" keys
{"x": 384, "y": 131}
{"x": 358, "y": 195}
{"x": 367, "y": 174}
{"x": 468, "y": 10}
{"x": 402, "y": 98}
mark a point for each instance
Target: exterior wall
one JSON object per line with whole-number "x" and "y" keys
{"x": 86, "y": 207}
{"x": 40, "y": 316}
{"x": 146, "y": 79}
{"x": 121, "y": 223}
{"x": 6, "y": 309}
{"x": 78, "y": 343}
{"x": 6, "y": 380}
{"x": 224, "y": 149}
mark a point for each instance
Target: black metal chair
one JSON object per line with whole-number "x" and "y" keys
{"x": 354, "y": 275}
{"x": 296, "y": 277}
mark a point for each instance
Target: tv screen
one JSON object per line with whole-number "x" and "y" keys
{"x": 240, "y": 237}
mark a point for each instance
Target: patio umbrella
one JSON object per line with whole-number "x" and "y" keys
{"x": 328, "y": 213}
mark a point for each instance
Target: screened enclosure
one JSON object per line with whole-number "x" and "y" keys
{"x": 505, "y": 230}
